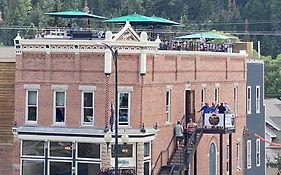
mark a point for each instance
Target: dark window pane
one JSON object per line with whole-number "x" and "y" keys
{"x": 124, "y": 151}
{"x": 32, "y": 148}
{"x": 146, "y": 168}
{"x": 88, "y": 115}
{"x": 88, "y": 168}
{"x": 61, "y": 149}
{"x": 88, "y": 99}
{"x": 167, "y": 97}
{"x": 32, "y": 113}
{"x": 60, "y": 168}
{"x": 123, "y": 115}
{"x": 33, "y": 167}
{"x": 123, "y": 100}
{"x": 88, "y": 150}
{"x": 59, "y": 114}
{"x": 146, "y": 149}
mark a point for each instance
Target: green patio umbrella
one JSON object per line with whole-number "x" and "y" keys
{"x": 74, "y": 14}
{"x": 206, "y": 35}
{"x": 136, "y": 19}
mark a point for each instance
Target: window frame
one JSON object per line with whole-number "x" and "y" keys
{"x": 235, "y": 99}
{"x": 258, "y": 99}
{"x": 57, "y": 160}
{"x": 203, "y": 96}
{"x": 129, "y": 108}
{"x": 249, "y": 100}
{"x": 227, "y": 158}
{"x": 86, "y": 162}
{"x": 83, "y": 108}
{"x": 168, "y": 106}
{"x": 55, "y": 107}
{"x": 31, "y": 159}
{"x": 258, "y": 152}
{"x": 81, "y": 159}
{"x": 217, "y": 95}
{"x": 27, "y": 106}
{"x": 238, "y": 160}
{"x": 248, "y": 155}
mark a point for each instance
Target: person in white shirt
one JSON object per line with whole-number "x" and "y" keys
{"x": 179, "y": 133}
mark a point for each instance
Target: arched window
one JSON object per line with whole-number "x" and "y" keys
{"x": 212, "y": 160}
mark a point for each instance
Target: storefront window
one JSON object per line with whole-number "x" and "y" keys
{"x": 32, "y": 167}
{"x": 88, "y": 150}
{"x": 60, "y": 149}
{"x": 88, "y": 168}
{"x": 124, "y": 151}
{"x": 60, "y": 168}
{"x": 32, "y": 148}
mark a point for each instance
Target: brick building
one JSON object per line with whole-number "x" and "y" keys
{"x": 7, "y": 94}
{"x": 65, "y": 88}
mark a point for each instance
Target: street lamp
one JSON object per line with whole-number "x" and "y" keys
{"x": 115, "y": 58}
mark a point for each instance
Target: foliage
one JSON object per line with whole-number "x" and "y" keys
{"x": 276, "y": 163}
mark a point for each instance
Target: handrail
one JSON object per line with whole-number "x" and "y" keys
{"x": 162, "y": 152}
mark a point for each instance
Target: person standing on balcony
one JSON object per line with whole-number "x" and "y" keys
{"x": 227, "y": 108}
{"x": 213, "y": 108}
{"x": 205, "y": 109}
{"x": 179, "y": 133}
{"x": 221, "y": 109}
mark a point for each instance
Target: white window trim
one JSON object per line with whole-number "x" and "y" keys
{"x": 217, "y": 95}
{"x": 238, "y": 157}
{"x": 60, "y": 160}
{"x": 258, "y": 151}
{"x": 249, "y": 156}
{"x": 30, "y": 159}
{"x": 83, "y": 91}
{"x": 148, "y": 157}
{"x": 129, "y": 107}
{"x": 54, "y": 107}
{"x": 26, "y": 106}
{"x": 249, "y": 102}
{"x": 235, "y": 99}
{"x": 258, "y": 99}
{"x": 168, "y": 107}
{"x": 203, "y": 95}
{"x": 30, "y": 156}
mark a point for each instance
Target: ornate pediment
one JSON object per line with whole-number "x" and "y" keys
{"x": 127, "y": 34}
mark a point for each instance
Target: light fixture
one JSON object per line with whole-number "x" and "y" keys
{"x": 107, "y": 138}
{"x": 125, "y": 138}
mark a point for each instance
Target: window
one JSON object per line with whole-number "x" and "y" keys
{"x": 258, "y": 99}
{"x": 146, "y": 167}
{"x": 88, "y": 168}
{"x": 147, "y": 158}
{"x": 60, "y": 167}
{"x": 249, "y": 100}
{"x": 168, "y": 106}
{"x": 147, "y": 149}
{"x": 212, "y": 159}
{"x": 32, "y": 148}
{"x": 59, "y": 107}
{"x": 203, "y": 96}
{"x": 32, "y": 166}
{"x": 124, "y": 151}
{"x": 61, "y": 149}
{"x": 89, "y": 150}
{"x": 31, "y": 106}
{"x": 227, "y": 158}
{"x": 124, "y": 108}
{"x": 235, "y": 98}
{"x": 217, "y": 95}
{"x": 258, "y": 156}
{"x": 249, "y": 161}
{"x": 87, "y": 108}
{"x": 238, "y": 166}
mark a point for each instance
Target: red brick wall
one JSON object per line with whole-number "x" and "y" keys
{"x": 162, "y": 70}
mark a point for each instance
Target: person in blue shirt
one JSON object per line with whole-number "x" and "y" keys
{"x": 205, "y": 109}
{"x": 213, "y": 108}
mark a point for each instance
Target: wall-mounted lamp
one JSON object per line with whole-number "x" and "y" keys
{"x": 107, "y": 139}
{"x": 125, "y": 138}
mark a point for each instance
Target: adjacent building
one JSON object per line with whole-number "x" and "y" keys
{"x": 255, "y": 124}
{"x": 65, "y": 91}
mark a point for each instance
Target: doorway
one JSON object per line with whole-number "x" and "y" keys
{"x": 189, "y": 105}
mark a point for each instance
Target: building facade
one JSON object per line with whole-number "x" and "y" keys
{"x": 255, "y": 146}
{"x": 7, "y": 103}
{"x": 65, "y": 93}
